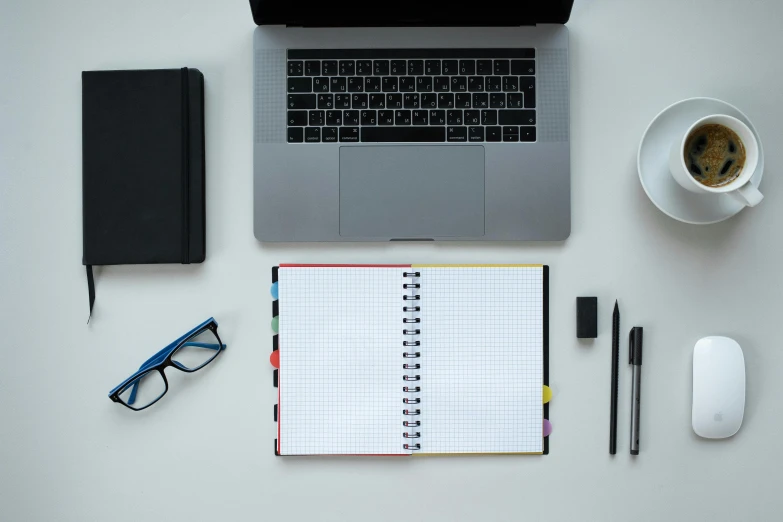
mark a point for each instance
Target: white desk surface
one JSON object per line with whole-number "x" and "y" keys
{"x": 205, "y": 452}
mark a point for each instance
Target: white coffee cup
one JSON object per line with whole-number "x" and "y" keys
{"x": 741, "y": 189}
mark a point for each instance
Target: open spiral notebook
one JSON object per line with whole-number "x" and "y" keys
{"x": 410, "y": 359}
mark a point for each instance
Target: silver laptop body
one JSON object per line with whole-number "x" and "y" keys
{"x": 333, "y": 170}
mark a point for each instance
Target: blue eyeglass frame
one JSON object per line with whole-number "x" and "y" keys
{"x": 163, "y": 359}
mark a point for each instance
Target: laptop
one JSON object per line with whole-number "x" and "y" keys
{"x": 411, "y": 122}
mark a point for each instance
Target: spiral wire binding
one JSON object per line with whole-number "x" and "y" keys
{"x": 412, "y": 337}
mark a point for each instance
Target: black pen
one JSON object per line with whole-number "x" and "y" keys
{"x": 635, "y": 359}
{"x": 615, "y": 364}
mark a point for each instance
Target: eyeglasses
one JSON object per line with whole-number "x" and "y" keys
{"x": 189, "y": 353}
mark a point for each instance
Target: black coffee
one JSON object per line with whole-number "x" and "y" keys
{"x": 714, "y": 154}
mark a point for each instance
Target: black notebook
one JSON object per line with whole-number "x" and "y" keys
{"x": 143, "y": 168}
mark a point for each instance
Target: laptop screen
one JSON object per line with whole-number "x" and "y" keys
{"x": 354, "y": 13}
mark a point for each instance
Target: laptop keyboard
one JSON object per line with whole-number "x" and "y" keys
{"x": 411, "y": 95}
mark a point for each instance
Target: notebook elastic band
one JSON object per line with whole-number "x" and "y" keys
{"x": 185, "y": 167}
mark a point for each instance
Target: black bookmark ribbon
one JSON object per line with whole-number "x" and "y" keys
{"x": 90, "y": 290}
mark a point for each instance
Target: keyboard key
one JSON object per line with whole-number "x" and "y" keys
{"x": 527, "y": 134}
{"x": 494, "y": 83}
{"x": 337, "y": 85}
{"x": 394, "y": 101}
{"x": 523, "y": 67}
{"x": 329, "y": 67}
{"x": 369, "y": 118}
{"x": 349, "y": 134}
{"x": 429, "y": 100}
{"x": 510, "y": 130}
{"x": 410, "y": 101}
{"x": 313, "y": 68}
{"x": 450, "y": 67}
{"x": 480, "y": 100}
{"x": 329, "y": 134}
{"x": 389, "y": 84}
{"x": 424, "y": 84}
{"x": 510, "y": 133}
{"x": 420, "y": 117}
{"x": 377, "y": 101}
{"x": 372, "y": 84}
{"x": 347, "y": 67}
{"x": 317, "y": 118}
{"x": 351, "y": 118}
{"x": 459, "y": 84}
{"x": 415, "y": 67}
{"x": 380, "y": 67}
{"x": 325, "y": 101}
{"x": 402, "y": 117}
{"x": 359, "y": 101}
{"x": 494, "y": 134}
{"x": 457, "y": 133}
{"x": 432, "y": 67}
{"x": 454, "y": 117}
{"x": 497, "y": 100}
{"x": 295, "y": 68}
{"x": 399, "y": 67}
{"x": 342, "y": 101}
{"x": 407, "y": 84}
{"x": 484, "y": 67}
{"x": 385, "y": 117}
{"x": 403, "y": 134}
{"x": 517, "y": 117}
{"x": 510, "y": 137}
{"x": 476, "y": 83}
{"x": 313, "y": 135}
{"x": 489, "y": 117}
{"x": 355, "y": 84}
{"x": 467, "y": 67}
{"x": 300, "y": 85}
{"x": 297, "y": 118}
{"x": 364, "y": 67}
{"x": 320, "y": 84}
{"x": 475, "y": 133}
{"x": 438, "y": 117}
{"x": 442, "y": 84}
{"x": 473, "y": 118}
{"x": 462, "y": 100}
{"x": 528, "y": 86}
{"x": 445, "y": 101}
{"x": 510, "y": 84}
{"x": 301, "y": 101}
{"x": 514, "y": 100}
{"x": 295, "y": 134}
{"x": 501, "y": 68}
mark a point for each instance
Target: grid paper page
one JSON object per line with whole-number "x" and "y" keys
{"x": 482, "y": 360}
{"x": 340, "y": 361}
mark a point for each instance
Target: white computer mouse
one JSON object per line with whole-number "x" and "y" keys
{"x": 718, "y": 387}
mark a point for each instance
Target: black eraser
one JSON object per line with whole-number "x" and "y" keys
{"x": 587, "y": 317}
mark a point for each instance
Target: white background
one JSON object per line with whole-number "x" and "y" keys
{"x": 205, "y": 452}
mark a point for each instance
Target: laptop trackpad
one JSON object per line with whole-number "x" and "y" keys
{"x": 409, "y": 192}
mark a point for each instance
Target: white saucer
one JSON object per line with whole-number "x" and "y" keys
{"x": 653, "y": 159}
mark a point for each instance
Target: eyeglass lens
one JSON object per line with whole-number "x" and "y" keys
{"x": 197, "y": 350}
{"x": 144, "y": 390}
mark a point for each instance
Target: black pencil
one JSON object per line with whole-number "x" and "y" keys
{"x": 615, "y": 369}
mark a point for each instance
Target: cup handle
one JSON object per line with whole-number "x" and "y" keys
{"x": 748, "y": 195}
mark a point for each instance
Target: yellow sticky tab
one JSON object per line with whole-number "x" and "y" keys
{"x": 547, "y": 394}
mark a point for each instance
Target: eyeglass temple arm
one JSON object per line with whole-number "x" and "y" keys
{"x": 160, "y": 356}
{"x": 211, "y": 346}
